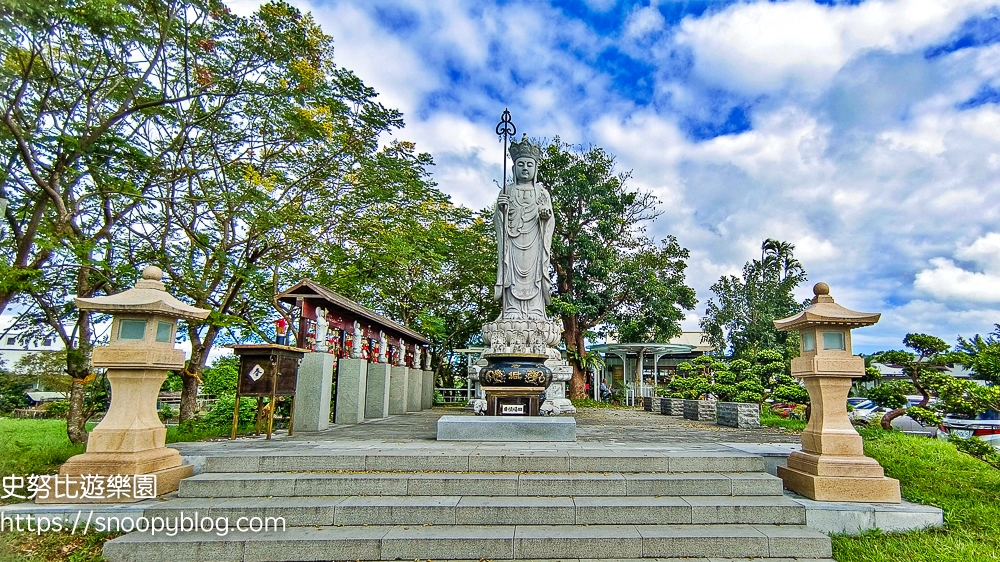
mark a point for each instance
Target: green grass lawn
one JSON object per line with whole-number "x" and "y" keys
{"x": 33, "y": 447}
{"x": 932, "y": 471}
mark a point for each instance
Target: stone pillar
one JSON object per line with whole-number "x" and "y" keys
{"x": 377, "y": 391}
{"x": 414, "y": 389}
{"x": 398, "y": 384}
{"x": 352, "y": 377}
{"x": 427, "y": 396}
{"x": 312, "y": 392}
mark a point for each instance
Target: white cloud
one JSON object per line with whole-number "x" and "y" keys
{"x": 947, "y": 281}
{"x": 644, "y": 21}
{"x": 764, "y": 47}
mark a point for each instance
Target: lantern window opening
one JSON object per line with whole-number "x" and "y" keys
{"x": 834, "y": 341}
{"x": 132, "y": 329}
{"x": 163, "y": 331}
{"x": 808, "y": 341}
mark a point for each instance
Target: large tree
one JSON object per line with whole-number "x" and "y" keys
{"x": 89, "y": 94}
{"x": 739, "y": 319}
{"x": 926, "y": 357}
{"x": 981, "y": 355}
{"x": 609, "y": 275}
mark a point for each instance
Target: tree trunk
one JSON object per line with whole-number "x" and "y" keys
{"x": 76, "y": 418}
{"x": 78, "y": 367}
{"x": 887, "y": 419}
{"x": 191, "y": 375}
{"x": 574, "y": 342}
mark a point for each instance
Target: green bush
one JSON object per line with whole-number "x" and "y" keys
{"x": 438, "y": 398}
{"x": 890, "y": 394}
{"x": 221, "y": 377}
{"x": 978, "y": 448}
{"x": 12, "y": 389}
{"x": 221, "y": 414}
{"x": 166, "y": 413}
{"x": 57, "y": 409}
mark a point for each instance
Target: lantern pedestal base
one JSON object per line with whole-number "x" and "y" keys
{"x": 164, "y": 464}
{"x": 840, "y": 488}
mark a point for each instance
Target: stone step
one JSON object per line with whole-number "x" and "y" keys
{"x": 463, "y": 542}
{"x": 493, "y": 510}
{"x": 586, "y": 460}
{"x": 239, "y": 485}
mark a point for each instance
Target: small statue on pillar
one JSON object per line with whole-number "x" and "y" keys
{"x": 401, "y": 354}
{"x": 356, "y": 341}
{"x": 383, "y": 347}
{"x": 322, "y": 325}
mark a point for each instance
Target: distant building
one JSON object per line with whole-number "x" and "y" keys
{"x": 14, "y": 346}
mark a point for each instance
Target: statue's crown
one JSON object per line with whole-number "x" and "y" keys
{"x": 525, "y": 149}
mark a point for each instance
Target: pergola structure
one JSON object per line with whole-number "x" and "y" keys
{"x": 662, "y": 357}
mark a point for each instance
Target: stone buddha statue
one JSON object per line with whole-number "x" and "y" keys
{"x": 524, "y": 225}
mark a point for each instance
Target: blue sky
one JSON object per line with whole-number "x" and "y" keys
{"x": 866, "y": 133}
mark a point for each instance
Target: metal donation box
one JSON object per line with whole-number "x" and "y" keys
{"x": 266, "y": 371}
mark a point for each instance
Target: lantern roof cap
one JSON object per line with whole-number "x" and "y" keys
{"x": 823, "y": 311}
{"x": 149, "y": 296}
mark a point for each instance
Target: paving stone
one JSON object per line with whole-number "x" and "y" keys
{"x": 571, "y": 484}
{"x": 536, "y": 461}
{"x": 517, "y": 510}
{"x": 796, "y": 540}
{"x": 610, "y": 461}
{"x": 755, "y": 484}
{"x": 702, "y": 540}
{"x": 232, "y": 464}
{"x": 396, "y": 510}
{"x": 140, "y": 547}
{"x": 715, "y": 462}
{"x": 596, "y": 541}
{"x": 238, "y": 485}
{"x": 350, "y": 484}
{"x": 640, "y": 510}
{"x": 308, "y": 543}
{"x": 442, "y": 542}
{"x": 462, "y": 484}
{"x": 745, "y": 509}
{"x": 405, "y": 461}
{"x": 303, "y": 463}
{"x": 684, "y": 484}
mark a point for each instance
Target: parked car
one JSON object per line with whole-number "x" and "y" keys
{"x": 865, "y": 411}
{"x": 855, "y": 400}
{"x": 985, "y": 426}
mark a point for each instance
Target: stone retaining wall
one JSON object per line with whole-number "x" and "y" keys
{"x": 699, "y": 410}
{"x": 672, "y": 406}
{"x": 738, "y": 414}
{"x": 647, "y": 403}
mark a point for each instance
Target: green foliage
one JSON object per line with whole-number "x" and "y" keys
{"x": 740, "y": 317}
{"x": 33, "y": 447}
{"x": 981, "y": 355}
{"x": 12, "y": 393}
{"x": 791, "y": 392}
{"x": 792, "y": 423}
{"x": 46, "y": 367}
{"x": 891, "y": 394}
{"x": 221, "y": 415}
{"x": 692, "y": 387}
{"x": 978, "y": 448}
{"x": 222, "y": 377}
{"x": 925, "y": 416}
{"x": 57, "y": 409}
{"x": 166, "y": 413}
{"x": 438, "y": 398}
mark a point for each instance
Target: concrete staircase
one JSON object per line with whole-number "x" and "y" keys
{"x": 501, "y": 504}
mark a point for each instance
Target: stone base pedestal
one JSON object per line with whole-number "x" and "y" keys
{"x": 163, "y": 464}
{"x": 512, "y": 400}
{"x": 377, "y": 391}
{"x": 743, "y": 415}
{"x": 840, "y": 488}
{"x": 414, "y": 390}
{"x": 352, "y": 375}
{"x": 502, "y": 428}
{"x": 398, "y": 390}
{"x": 699, "y": 410}
{"x": 427, "y": 390}
{"x": 313, "y": 389}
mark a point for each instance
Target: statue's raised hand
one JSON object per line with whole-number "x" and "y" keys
{"x": 503, "y": 200}
{"x": 544, "y": 213}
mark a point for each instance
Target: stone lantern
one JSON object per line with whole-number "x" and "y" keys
{"x": 130, "y": 439}
{"x": 831, "y": 465}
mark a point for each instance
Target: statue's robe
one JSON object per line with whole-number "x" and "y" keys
{"x": 524, "y": 246}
